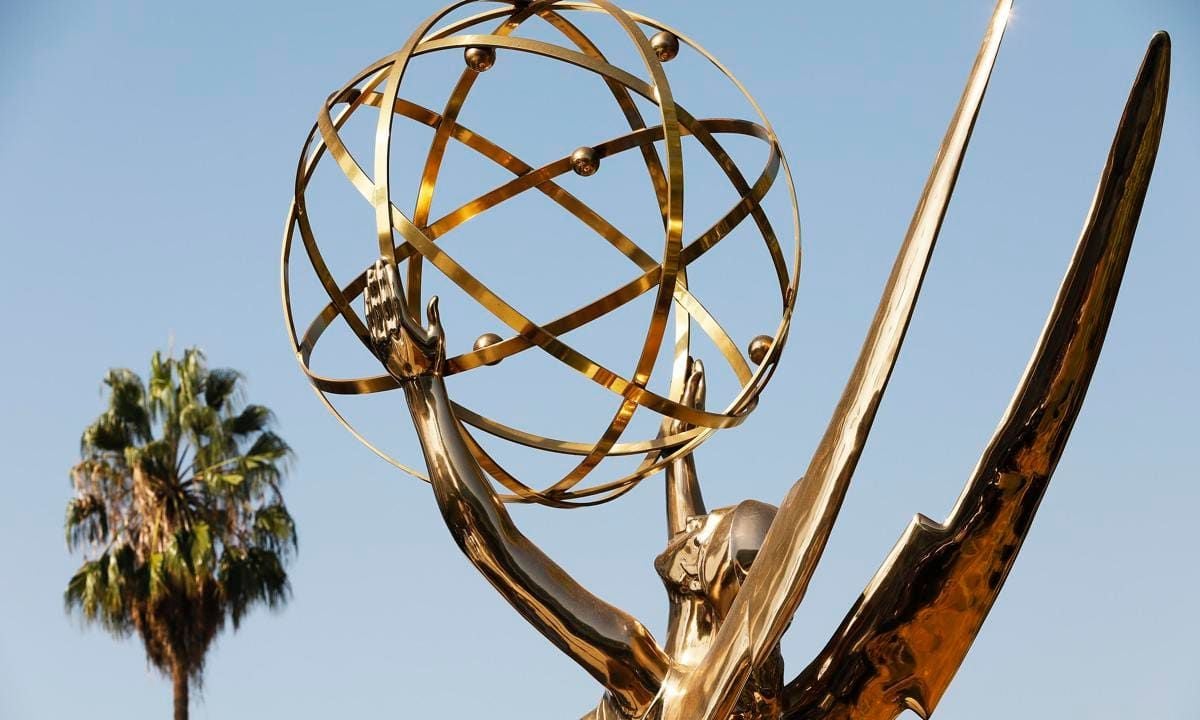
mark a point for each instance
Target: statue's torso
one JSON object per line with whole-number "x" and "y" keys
{"x": 761, "y": 699}
{"x": 702, "y": 569}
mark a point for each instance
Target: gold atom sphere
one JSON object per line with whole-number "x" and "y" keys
{"x": 410, "y": 241}
{"x": 585, "y": 162}
{"x": 485, "y": 341}
{"x": 480, "y": 59}
{"x": 665, "y": 46}
{"x": 759, "y": 348}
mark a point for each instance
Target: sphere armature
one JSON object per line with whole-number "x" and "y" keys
{"x": 676, "y": 322}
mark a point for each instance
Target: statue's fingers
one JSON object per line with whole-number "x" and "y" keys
{"x": 380, "y": 299}
{"x": 689, "y": 392}
{"x": 435, "y": 318}
{"x": 693, "y": 389}
{"x": 371, "y": 303}
{"x": 698, "y": 384}
{"x": 392, "y": 298}
{"x": 397, "y": 308}
{"x": 391, "y": 280}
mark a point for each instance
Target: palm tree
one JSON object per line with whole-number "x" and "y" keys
{"x": 178, "y": 508}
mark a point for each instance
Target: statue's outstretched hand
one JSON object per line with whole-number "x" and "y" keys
{"x": 693, "y": 397}
{"x": 404, "y": 347}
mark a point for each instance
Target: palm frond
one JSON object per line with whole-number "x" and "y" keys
{"x": 220, "y": 387}
{"x": 127, "y": 401}
{"x": 87, "y": 521}
{"x": 275, "y": 529}
{"x": 252, "y": 577}
{"x": 252, "y": 419}
{"x": 177, "y": 500}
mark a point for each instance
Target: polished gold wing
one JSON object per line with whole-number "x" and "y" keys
{"x": 776, "y": 584}
{"x": 902, "y": 642}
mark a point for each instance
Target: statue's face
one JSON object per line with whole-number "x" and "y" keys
{"x": 712, "y": 556}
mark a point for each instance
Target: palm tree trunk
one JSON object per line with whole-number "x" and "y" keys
{"x": 180, "y": 680}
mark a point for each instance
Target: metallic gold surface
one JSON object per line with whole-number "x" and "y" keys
{"x": 480, "y": 59}
{"x": 666, "y": 46}
{"x": 665, "y": 277}
{"x": 585, "y": 162}
{"x": 901, "y": 644}
{"x": 790, "y": 553}
{"x": 759, "y": 348}
{"x": 734, "y": 576}
{"x": 616, "y": 649}
{"x": 485, "y": 341}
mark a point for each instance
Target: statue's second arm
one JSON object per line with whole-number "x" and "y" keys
{"x": 611, "y": 645}
{"x": 707, "y": 556}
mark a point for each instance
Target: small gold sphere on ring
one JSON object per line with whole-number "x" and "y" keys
{"x": 665, "y": 45}
{"x": 759, "y": 347}
{"x": 585, "y": 162}
{"x": 485, "y": 341}
{"x": 480, "y": 59}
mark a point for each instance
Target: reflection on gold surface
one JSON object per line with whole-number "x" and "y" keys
{"x": 665, "y": 277}
{"x": 734, "y": 576}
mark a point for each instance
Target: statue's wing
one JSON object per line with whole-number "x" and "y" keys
{"x": 775, "y": 585}
{"x": 901, "y": 644}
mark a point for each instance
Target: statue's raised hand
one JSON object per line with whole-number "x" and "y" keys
{"x": 404, "y": 347}
{"x": 694, "y": 391}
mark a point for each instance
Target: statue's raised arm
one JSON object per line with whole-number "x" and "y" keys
{"x": 611, "y": 645}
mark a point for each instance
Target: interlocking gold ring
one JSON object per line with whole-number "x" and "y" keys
{"x": 666, "y": 278}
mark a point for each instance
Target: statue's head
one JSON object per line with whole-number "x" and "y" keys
{"x": 711, "y": 557}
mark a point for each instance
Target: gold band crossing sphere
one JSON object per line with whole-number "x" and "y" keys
{"x": 412, "y": 241}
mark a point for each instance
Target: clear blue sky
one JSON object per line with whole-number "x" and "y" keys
{"x": 147, "y": 154}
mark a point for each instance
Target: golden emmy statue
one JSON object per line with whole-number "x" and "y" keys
{"x": 735, "y": 575}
